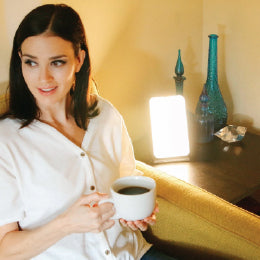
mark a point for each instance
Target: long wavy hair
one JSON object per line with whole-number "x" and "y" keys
{"x": 59, "y": 20}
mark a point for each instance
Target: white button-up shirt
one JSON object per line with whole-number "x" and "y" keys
{"x": 42, "y": 173}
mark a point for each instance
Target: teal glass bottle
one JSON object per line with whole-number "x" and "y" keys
{"x": 204, "y": 119}
{"x": 216, "y": 104}
{"x": 179, "y": 78}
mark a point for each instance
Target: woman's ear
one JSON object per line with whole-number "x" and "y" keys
{"x": 80, "y": 58}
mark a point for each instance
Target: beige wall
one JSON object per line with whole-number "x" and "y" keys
{"x": 140, "y": 63}
{"x": 133, "y": 46}
{"x": 11, "y": 13}
{"x": 238, "y": 25}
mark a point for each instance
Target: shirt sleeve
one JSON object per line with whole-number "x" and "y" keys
{"x": 11, "y": 209}
{"x": 127, "y": 163}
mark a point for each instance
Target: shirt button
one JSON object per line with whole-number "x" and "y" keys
{"x": 107, "y": 252}
{"x": 92, "y": 187}
{"x": 82, "y": 154}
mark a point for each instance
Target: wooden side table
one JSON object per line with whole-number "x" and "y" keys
{"x": 230, "y": 171}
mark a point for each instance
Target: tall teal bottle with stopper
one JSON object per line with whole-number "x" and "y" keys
{"x": 216, "y": 104}
{"x": 204, "y": 119}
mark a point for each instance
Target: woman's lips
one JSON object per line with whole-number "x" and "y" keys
{"x": 47, "y": 91}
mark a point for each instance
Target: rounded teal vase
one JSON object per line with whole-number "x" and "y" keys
{"x": 216, "y": 104}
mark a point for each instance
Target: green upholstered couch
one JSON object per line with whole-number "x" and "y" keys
{"x": 195, "y": 224}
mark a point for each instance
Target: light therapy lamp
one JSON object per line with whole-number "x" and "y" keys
{"x": 169, "y": 128}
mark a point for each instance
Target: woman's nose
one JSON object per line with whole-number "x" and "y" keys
{"x": 45, "y": 74}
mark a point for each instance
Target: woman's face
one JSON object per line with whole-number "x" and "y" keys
{"x": 49, "y": 65}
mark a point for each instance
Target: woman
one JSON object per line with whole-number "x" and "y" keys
{"x": 60, "y": 150}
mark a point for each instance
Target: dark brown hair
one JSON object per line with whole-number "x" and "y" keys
{"x": 60, "y": 20}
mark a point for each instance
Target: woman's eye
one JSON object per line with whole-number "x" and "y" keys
{"x": 31, "y": 63}
{"x": 58, "y": 63}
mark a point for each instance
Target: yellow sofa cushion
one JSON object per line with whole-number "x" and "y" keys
{"x": 3, "y": 104}
{"x": 193, "y": 222}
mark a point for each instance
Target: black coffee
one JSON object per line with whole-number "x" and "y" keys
{"x": 133, "y": 190}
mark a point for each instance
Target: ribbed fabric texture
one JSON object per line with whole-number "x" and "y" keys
{"x": 3, "y": 104}
{"x": 200, "y": 222}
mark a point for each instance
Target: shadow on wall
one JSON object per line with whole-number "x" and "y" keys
{"x": 140, "y": 63}
{"x": 133, "y": 83}
{"x": 223, "y": 82}
{"x": 193, "y": 77}
{"x": 130, "y": 90}
{"x": 140, "y": 76}
{"x": 244, "y": 120}
{"x": 234, "y": 119}
{"x": 131, "y": 75}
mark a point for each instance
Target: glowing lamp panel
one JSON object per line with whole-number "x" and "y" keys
{"x": 169, "y": 127}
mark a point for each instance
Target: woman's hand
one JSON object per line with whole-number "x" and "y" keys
{"x": 141, "y": 224}
{"x": 87, "y": 216}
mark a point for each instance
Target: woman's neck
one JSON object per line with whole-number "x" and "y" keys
{"x": 56, "y": 114}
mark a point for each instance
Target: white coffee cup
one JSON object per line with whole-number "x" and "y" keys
{"x": 135, "y": 206}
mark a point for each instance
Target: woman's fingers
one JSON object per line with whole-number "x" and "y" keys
{"x": 86, "y": 215}
{"x": 151, "y": 220}
{"x": 141, "y": 224}
{"x": 135, "y": 225}
{"x": 132, "y": 225}
{"x": 102, "y": 219}
{"x": 107, "y": 210}
{"x": 92, "y": 199}
{"x": 123, "y": 222}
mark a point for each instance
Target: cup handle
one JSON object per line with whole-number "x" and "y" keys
{"x": 110, "y": 200}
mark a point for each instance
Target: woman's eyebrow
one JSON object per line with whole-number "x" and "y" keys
{"x": 58, "y": 57}
{"x": 29, "y": 56}
{"x": 51, "y": 58}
